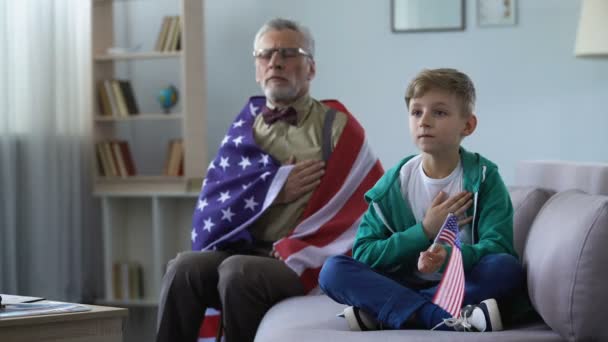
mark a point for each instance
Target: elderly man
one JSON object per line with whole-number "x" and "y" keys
{"x": 283, "y": 193}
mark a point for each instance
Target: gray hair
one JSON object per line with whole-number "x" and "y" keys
{"x": 278, "y": 24}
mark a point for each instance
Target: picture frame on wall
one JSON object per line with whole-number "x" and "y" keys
{"x": 496, "y": 12}
{"x": 425, "y": 15}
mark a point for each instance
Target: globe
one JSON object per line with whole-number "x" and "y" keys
{"x": 167, "y": 97}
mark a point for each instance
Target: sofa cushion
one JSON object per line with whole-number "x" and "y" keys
{"x": 566, "y": 257}
{"x": 313, "y": 318}
{"x": 527, "y": 202}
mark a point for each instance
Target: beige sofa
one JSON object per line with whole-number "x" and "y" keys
{"x": 561, "y": 235}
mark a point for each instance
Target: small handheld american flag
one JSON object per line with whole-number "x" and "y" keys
{"x": 450, "y": 292}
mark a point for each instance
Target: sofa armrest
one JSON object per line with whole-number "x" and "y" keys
{"x": 565, "y": 257}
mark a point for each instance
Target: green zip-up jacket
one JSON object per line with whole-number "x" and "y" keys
{"x": 390, "y": 240}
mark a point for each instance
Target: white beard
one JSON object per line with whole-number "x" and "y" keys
{"x": 280, "y": 94}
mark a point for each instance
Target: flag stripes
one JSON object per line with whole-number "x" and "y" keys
{"x": 323, "y": 233}
{"x": 450, "y": 292}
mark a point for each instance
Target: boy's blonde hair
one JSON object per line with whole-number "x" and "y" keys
{"x": 450, "y": 80}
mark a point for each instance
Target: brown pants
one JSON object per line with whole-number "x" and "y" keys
{"x": 244, "y": 287}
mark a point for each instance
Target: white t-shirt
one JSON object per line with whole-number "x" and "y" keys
{"x": 419, "y": 190}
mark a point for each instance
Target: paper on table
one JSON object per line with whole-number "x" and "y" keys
{"x": 40, "y": 308}
{"x": 12, "y": 299}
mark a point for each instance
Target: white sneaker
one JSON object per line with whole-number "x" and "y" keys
{"x": 359, "y": 320}
{"x": 484, "y": 316}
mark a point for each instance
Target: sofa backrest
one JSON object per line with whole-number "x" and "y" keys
{"x": 591, "y": 178}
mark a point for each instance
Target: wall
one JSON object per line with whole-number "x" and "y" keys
{"x": 535, "y": 99}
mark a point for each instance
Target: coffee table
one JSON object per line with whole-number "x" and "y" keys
{"x": 100, "y": 324}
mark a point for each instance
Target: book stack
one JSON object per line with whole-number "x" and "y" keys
{"x": 114, "y": 159}
{"x": 169, "y": 36}
{"x": 127, "y": 280}
{"x": 174, "y": 164}
{"x": 116, "y": 98}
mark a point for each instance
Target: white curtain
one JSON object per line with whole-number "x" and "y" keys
{"x": 47, "y": 240}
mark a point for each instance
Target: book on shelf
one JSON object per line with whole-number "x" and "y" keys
{"x": 176, "y": 34}
{"x": 129, "y": 96}
{"x": 107, "y": 160}
{"x": 174, "y": 163}
{"x": 116, "y": 98}
{"x": 162, "y": 34}
{"x": 169, "y": 35}
{"x": 127, "y": 280}
{"x": 114, "y": 158}
{"x": 109, "y": 93}
{"x": 120, "y": 99}
{"x": 105, "y": 106}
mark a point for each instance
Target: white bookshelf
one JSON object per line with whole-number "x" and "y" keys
{"x": 189, "y": 122}
{"x": 146, "y": 218}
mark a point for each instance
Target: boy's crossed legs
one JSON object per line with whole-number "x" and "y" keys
{"x": 350, "y": 282}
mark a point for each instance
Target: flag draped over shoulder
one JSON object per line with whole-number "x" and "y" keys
{"x": 450, "y": 291}
{"x": 243, "y": 181}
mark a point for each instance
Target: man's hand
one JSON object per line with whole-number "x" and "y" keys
{"x": 441, "y": 207}
{"x": 431, "y": 260}
{"x": 305, "y": 177}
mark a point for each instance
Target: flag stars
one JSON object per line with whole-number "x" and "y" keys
{"x": 193, "y": 235}
{"x": 226, "y": 139}
{"x": 202, "y": 203}
{"x": 211, "y": 166}
{"x": 238, "y": 123}
{"x": 244, "y": 162}
{"x": 264, "y": 159}
{"x": 238, "y": 140}
{"x": 224, "y": 163}
{"x": 253, "y": 109}
{"x": 264, "y": 175}
{"x": 208, "y": 224}
{"x": 245, "y": 186}
{"x": 224, "y": 196}
{"x": 227, "y": 214}
{"x": 250, "y": 203}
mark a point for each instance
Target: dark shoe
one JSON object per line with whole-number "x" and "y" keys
{"x": 359, "y": 320}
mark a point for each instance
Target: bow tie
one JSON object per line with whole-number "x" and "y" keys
{"x": 287, "y": 114}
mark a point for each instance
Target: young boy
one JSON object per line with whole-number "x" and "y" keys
{"x": 395, "y": 269}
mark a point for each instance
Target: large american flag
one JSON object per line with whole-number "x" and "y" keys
{"x": 450, "y": 291}
{"x": 242, "y": 182}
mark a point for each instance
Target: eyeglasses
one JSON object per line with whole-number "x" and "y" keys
{"x": 267, "y": 54}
